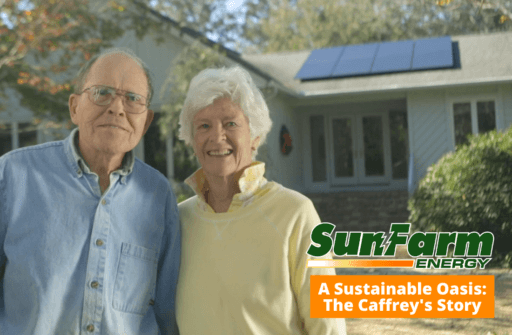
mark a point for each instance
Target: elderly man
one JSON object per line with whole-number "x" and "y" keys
{"x": 89, "y": 235}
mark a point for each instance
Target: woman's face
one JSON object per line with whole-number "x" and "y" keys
{"x": 222, "y": 139}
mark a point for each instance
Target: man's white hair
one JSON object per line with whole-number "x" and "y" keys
{"x": 234, "y": 83}
{"x": 82, "y": 74}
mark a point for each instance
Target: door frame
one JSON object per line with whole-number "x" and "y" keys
{"x": 331, "y": 183}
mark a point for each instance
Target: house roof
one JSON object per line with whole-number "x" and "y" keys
{"x": 483, "y": 59}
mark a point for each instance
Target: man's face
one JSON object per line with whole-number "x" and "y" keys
{"x": 111, "y": 129}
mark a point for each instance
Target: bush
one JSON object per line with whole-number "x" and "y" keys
{"x": 181, "y": 190}
{"x": 470, "y": 190}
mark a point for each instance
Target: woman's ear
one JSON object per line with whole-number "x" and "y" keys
{"x": 255, "y": 143}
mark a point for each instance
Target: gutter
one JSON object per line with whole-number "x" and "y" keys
{"x": 395, "y": 89}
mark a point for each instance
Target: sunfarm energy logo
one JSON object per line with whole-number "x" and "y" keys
{"x": 430, "y": 249}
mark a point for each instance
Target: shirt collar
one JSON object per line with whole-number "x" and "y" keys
{"x": 126, "y": 165}
{"x": 250, "y": 180}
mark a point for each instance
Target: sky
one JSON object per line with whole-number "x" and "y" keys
{"x": 23, "y": 5}
{"x": 232, "y": 5}
{"x": 5, "y": 19}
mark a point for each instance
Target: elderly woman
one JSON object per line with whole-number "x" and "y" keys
{"x": 244, "y": 239}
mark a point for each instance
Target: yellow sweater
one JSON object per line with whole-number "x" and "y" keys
{"x": 244, "y": 271}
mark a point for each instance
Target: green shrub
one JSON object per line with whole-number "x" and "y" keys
{"x": 181, "y": 191}
{"x": 470, "y": 190}
{"x": 182, "y": 197}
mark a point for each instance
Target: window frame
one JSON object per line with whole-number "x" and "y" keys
{"x": 385, "y": 182}
{"x": 472, "y": 100}
{"x": 319, "y": 186}
{"x": 15, "y": 138}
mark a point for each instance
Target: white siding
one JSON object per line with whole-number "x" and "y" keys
{"x": 286, "y": 170}
{"x": 430, "y": 120}
{"x": 506, "y": 94}
{"x": 159, "y": 58}
{"x": 429, "y": 132}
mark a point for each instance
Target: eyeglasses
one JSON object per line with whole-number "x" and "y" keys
{"x": 103, "y": 95}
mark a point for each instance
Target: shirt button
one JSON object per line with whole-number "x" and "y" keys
{"x": 95, "y": 284}
{"x": 99, "y": 242}
{"x": 90, "y": 328}
{"x": 103, "y": 202}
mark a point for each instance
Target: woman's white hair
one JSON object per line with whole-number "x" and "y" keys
{"x": 234, "y": 83}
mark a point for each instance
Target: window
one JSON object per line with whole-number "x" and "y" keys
{"x": 399, "y": 144}
{"x": 14, "y": 135}
{"x": 27, "y": 134}
{"x": 473, "y": 117}
{"x": 359, "y": 147}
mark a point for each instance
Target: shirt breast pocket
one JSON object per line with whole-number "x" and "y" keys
{"x": 134, "y": 288}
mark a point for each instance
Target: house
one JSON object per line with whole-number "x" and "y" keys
{"x": 356, "y": 144}
{"x": 360, "y": 142}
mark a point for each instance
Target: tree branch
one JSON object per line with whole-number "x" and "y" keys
{"x": 12, "y": 54}
{"x": 501, "y": 8}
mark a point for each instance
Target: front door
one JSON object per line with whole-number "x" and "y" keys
{"x": 359, "y": 146}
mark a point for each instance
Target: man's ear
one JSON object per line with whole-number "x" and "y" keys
{"x": 73, "y": 105}
{"x": 149, "y": 118}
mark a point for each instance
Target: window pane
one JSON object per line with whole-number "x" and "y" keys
{"x": 318, "y": 148}
{"x": 462, "y": 122}
{"x": 486, "y": 116}
{"x": 5, "y": 138}
{"x": 373, "y": 146}
{"x": 399, "y": 143}
{"x": 27, "y": 134}
{"x": 155, "y": 153}
{"x": 343, "y": 156}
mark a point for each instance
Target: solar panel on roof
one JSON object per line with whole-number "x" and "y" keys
{"x": 320, "y": 63}
{"x": 376, "y": 58}
{"x": 355, "y": 60}
{"x": 393, "y": 57}
{"x": 432, "y": 53}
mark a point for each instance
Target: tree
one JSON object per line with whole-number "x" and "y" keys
{"x": 499, "y": 10}
{"x": 309, "y": 24}
{"x": 212, "y": 19}
{"x": 42, "y": 44}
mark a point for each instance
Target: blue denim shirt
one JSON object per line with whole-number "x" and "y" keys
{"x": 81, "y": 262}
